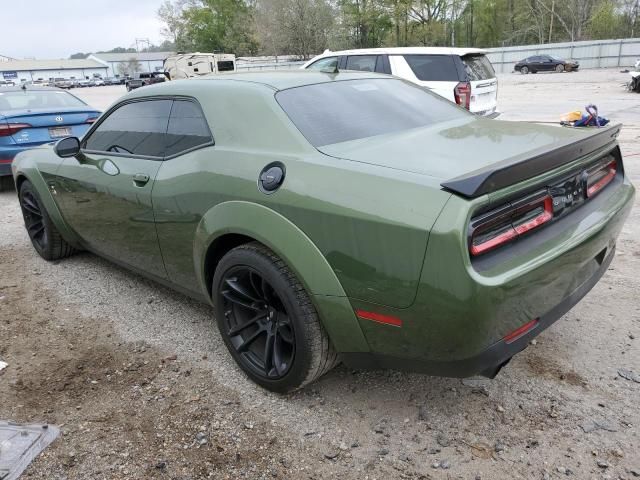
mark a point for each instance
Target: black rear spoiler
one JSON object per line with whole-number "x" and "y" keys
{"x": 514, "y": 170}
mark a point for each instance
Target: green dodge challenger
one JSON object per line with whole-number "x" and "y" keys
{"x": 332, "y": 217}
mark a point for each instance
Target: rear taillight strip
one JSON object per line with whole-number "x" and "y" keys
{"x": 508, "y": 223}
{"x": 8, "y": 129}
{"x": 604, "y": 181}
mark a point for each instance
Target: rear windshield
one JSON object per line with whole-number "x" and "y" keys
{"x": 30, "y": 99}
{"x": 342, "y": 111}
{"x": 435, "y": 68}
{"x": 478, "y": 67}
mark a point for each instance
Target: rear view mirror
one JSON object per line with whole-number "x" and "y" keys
{"x": 67, "y": 147}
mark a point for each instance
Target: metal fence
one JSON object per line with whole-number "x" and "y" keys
{"x": 590, "y": 54}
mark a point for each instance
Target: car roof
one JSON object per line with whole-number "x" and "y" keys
{"x": 18, "y": 88}
{"x": 275, "y": 79}
{"x": 405, "y": 51}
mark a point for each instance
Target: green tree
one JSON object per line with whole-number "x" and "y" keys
{"x": 605, "y": 22}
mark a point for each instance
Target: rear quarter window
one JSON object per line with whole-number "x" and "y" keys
{"x": 434, "y": 68}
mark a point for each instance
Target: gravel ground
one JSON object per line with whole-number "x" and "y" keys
{"x": 143, "y": 387}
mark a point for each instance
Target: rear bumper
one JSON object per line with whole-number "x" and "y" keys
{"x": 489, "y": 361}
{"x": 8, "y": 153}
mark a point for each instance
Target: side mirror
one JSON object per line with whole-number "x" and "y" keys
{"x": 67, "y": 147}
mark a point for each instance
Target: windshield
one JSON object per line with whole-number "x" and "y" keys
{"x": 478, "y": 67}
{"x": 33, "y": 99}
{"x": 342, "y": 111}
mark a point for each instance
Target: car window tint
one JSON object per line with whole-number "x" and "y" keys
{"x": 335, "y": 112}
{"x": 433, "y": 67}
{"x": 136, "y": 128}
{"x": 327, "y": 63}
{"x": 363, "y": 63}
{"x": 187, "y": 128}
{"x": 478, "y": 67}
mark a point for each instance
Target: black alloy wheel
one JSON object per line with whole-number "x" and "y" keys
{"x": 44, "y": 235}
{"x": 33, "y": 219}
{"x": 257, "y": 323}
{"x": 267, "y": 320}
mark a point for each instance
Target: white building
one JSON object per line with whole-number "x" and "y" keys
{"x": 31, "y": 70}
{"x": 4, "y": 58}
{"x": 117, "y": 63}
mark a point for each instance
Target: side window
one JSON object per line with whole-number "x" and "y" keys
{"x": 329, "y": 63}
{"x": 364, "y": 63}
{"x": 436, "y": 68}
{"x": 187, "y": 128}
{"x": 136, "y": 128}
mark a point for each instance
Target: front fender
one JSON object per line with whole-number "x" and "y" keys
{"x": 297, "y": 250}
{"x": 25, "y": 166}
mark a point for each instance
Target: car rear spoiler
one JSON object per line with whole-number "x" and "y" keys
{"x": 514, "y": 170}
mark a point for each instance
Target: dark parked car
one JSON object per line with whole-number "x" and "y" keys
{"x": 329, "y": 217}
{"x": 143, "y": 79}
{"x": 546, "y": 63}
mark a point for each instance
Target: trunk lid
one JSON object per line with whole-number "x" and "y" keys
{"x": 47, "y": 126}
{"x": 466, "y": 154}
{"x": 484, "y": 85}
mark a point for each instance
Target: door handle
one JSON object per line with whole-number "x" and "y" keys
{"x": 140, "y": 179}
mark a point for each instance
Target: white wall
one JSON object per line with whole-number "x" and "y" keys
{"x": 145, "y": 66}
{"x": 78, "y": 73}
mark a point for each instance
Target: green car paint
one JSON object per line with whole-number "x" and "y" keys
{"x": 365, "y": 224}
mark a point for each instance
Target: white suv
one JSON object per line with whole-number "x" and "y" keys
{"x": 463, "y": 75}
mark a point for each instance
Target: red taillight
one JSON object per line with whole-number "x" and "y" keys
{"x": 518, "y": 332}
{"x": 462, "y": 94}
{"x": 601, "y": 178}
{"x": 7, "y": 129}
{"x": 380, "y": 318}
{"x": 508, "y": 223}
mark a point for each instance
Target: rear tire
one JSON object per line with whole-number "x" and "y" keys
{"x": 43, "y": 234}
{"x": 267, "y": 320}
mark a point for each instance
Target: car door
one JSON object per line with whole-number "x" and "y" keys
{"x": 105, "y": 192}
{"x": 178, "y": 193}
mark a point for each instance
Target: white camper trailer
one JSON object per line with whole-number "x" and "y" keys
{"x": 187, "y": 65}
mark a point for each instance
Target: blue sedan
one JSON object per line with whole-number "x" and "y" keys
{"x": 31, "y": 116}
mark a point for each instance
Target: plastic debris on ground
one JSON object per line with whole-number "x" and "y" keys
{"x": 3, "y": 365}
{"x": 588, "y": 119}
{"x": 20, "y": 444}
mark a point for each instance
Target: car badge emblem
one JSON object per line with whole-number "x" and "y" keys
{"x": 59, "y": 119}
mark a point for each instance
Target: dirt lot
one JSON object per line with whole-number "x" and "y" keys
{"x": 143, "y": 388}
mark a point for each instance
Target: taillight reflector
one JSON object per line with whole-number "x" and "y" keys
{"x": 7, "y": 129}
{"x": 380, "y": 318}
{"x": 519, "y": 332}
{"x": 462, "y": 94}
{"x": 511, "y": 224}
{"x": 607, "y": 174}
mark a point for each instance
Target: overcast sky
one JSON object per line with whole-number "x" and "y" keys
{"x": 57, "y": 28}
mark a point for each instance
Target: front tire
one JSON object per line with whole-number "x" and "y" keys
{"x": 268, "y": 322}
{"x": 524, "y": 70}
{"x": 43, "y": 234}
{"x": 559, "y": 68}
